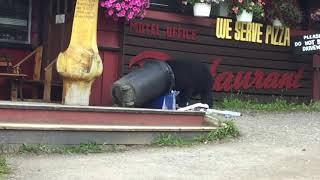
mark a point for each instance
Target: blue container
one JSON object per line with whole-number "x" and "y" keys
{"x": 167, "y": 101}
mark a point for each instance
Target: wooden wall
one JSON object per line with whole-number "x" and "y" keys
{"x": 236, "y": 56}
{"x": 117, "y": 45}
{"x": 109, "y": 44}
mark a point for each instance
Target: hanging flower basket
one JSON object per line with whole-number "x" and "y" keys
{"x": 128, "y": 9}
{"x": 247, "y": 10}
{"x": 202, "y": 9}
{"x": 284, "y": 11}
{"x": 245, "y": 16}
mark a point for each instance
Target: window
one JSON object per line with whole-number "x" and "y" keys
{"x": 15, "y": 21}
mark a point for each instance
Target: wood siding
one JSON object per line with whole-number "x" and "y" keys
{"x": 236, "y": 56}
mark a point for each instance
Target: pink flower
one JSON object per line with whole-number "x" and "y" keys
{"x": 125, "y": 8}
{"x": 235, "y": 9}
{"x": 121, "y": 13}
{"x": 240, "y": 1}
{"x": 130, "y": 15}
{"x": 118, "y": 7}
{"x": 110, "y": 12}
{"x": 135, "y": 9}
{"x": 108, "y": 4}
{"x": 123, "y": 5}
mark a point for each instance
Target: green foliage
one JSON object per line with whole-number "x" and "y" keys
{"x": 235, "y": 103}
{"x": 228, "y": 129}
{"x": 171, "y": 140}
{"x": 258, "y": 12}
{"x": 286, "y": 11}
{"x": 83, "y": 148}
{"x": 4, "y": 169}
{"x": 291, "y": 15}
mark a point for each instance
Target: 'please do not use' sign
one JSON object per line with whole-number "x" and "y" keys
{"x": 307, "y": 44}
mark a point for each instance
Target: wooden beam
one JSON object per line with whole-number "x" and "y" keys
{"x": 47, "y": 84}
{"x": 37, "y": 63}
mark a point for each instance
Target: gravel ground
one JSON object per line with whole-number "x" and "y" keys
{"x": 272, "y": 146}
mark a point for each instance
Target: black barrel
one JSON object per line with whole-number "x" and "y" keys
{"x": 143, "y": 85}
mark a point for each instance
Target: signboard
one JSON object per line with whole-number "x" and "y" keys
{"x": 252, "y": 32}
{"x": 307, "y": 44}
{"x": 171, "y": 32}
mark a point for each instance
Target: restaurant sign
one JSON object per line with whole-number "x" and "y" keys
{"x": 252, "y": 32}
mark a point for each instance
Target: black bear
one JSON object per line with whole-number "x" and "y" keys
{"x": 192, "y": 78}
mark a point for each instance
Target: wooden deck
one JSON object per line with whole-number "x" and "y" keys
{"x": 43, "y": 123}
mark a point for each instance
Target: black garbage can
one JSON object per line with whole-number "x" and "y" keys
{"x": 143, "y": 85}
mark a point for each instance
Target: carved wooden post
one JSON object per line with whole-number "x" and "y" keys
{"x": 80, "y": 64}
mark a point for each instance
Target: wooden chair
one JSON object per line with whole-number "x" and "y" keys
{"x": 37, "y": 82}
{"x": 16, "y": 80}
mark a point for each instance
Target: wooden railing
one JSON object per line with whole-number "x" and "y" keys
{"x": 48, "y": 81}
{"x": 37, "y": 66}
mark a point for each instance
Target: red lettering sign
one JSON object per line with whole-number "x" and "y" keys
{"x": 171, "y": 32}
{"x": 144, "y": 28}
{"x": 227, "y": 81}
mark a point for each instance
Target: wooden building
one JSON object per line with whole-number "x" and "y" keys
{"x": 166, "y": 31}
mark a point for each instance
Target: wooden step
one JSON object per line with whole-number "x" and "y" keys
{"x": 57, "y": 134}
{"x": 45, "y": 113}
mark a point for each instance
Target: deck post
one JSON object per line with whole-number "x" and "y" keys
{"x": 316, "y": 77}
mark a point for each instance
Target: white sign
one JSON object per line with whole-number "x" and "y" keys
{"x": 307, "y": 44}
{"x": 60, "y": 18}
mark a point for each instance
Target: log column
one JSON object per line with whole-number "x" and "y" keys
{"x": 81, "y": 64}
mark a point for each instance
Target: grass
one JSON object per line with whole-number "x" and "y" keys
{"x": 227, "y": 130}
{"x": 233, "y": 103}
{"x": 83, "y": 148}
{"x": 4, "y": 169}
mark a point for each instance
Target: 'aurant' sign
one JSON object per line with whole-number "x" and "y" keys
{"x": 228, "y": 81}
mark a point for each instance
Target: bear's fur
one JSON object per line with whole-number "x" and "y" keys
{"x": 192, "y": 78}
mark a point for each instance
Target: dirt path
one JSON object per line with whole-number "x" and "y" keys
{"x": 273, "y": 146}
